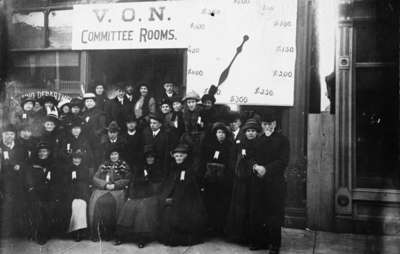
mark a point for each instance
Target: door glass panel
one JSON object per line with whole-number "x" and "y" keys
{"x": 377, "y": 124}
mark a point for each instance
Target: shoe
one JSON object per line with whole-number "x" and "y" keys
{"x": 77, "y": 237}
{"x": 274, "y": 250}
{"x": 94, "y": 239}
{"x": 117, "y": 242}
{"x": 42, "y": 240}
{"x": 141, "y": 245}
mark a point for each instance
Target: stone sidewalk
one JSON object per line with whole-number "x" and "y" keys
{"x": 295, "y": 241}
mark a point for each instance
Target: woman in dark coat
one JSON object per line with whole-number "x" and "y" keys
{"x": 217, "y": 176}
{"x": 183, "y": 216}
{"x": 139, "y": 219}
{"x": 77, "y": 183}
{"x": 101, "y": 97}
{"x": 237, "y": 227}
{"x": 45, "y": 192}
{"x": 50, "y": 133}
{"x": 76, "y": 141}
{"x": 110, "y": 183}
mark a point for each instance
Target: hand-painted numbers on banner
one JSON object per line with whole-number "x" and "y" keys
{"x": 284, "y": 49}
{"x": 241, "y": 1}
{"x": 239, "y": 99}
{"x": 211, "y": 12}
{"x": 264, "y": 91}
{"x": 282, "y": 74}
{"x": 192, "y": 50}
{"x": 206, "y": 91}
{"x": 196, "y": 26}
{"x": 282, "y": 23}
{"x": 195, "y": 72}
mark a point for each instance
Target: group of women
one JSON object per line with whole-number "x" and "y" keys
{"x": 132, "y": 169}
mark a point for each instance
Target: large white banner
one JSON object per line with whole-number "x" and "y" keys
{"x": 248, "y": 47}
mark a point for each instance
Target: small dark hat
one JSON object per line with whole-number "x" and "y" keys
{"x": 212, "y": 90}
{"x": 77, "y": 154}
{"x": 166, "y": 101}
{"x": 149, "y": 149}
{"x": 9, "y": 128}
{"x": 233, "y": 116}
{"x": 51, "y": 118}
{"x": 113, "y": 148}
{"x": 76, "y": 123}
{"x": 42, "y": 145}
{"x": 48, "y": 98}
{"x": 269, "y": 117}
{"x": 176, "y": 99}
{"x": 76, "y": 102}
{"x": 131, "y": 118}
{"x": 113, "y": 127}
{"x": 219, "y": 126}
{"x": 27, "y": 99}
{"x": 252, "y": 124}
{"x": 158, "y": 117}
{"x": 208, "y": 97}
{"x": 181, "y": 148}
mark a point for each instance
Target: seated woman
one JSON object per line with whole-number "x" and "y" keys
{"x": 109, "y": 182}
{"x": 78, "y": 194}
{"x": 182, "y": 213}
{"x": 138, "y": 220}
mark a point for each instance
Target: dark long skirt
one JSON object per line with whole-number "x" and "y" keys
{"x": 139, "y": 220}
{"x": 183, "y": 221}
{"x": 237, "y": 226}
{"x": 14, "y": 217}
{"x": 104, "y": 217}
{"x": 217, "y": 196}
{"x": 43, "y": 217}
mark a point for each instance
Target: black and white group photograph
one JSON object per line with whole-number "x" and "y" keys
{"x": 199, "y": 126}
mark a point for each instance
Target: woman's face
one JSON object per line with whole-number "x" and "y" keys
{"x": 90, "y": 103}
{"x": 165, "y": 108}
{"x": 221, "y": 135}
{"x": 179, "y": 157}
{"x": 43, "y": 153}
{"x": 28, "y": 106}
{"x": 76, "y": 131}
{"x": 75, "y": 110}
{"x": 49, "y": 126}
{"x": 251, "y": 134}
{"x": 191, "y": 104}
{"x": 8, "y": 137}
{"x": 177, "y": 106}
{"x": 99, "y": 90}
{"x": 65, "y": 109}
{"x": 48, "y": 104}
{"x": 77, "y": 161}
{"x": 150, "y": 159}
{"x": 114, "y": 156}
{"x": 143, "y": 90}
{"x": 25, "y": 134}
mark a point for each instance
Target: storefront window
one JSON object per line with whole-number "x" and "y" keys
{"x": 60, "y": 29}
{"x": 48, "y": 70}
{"x": 28, "y": 30}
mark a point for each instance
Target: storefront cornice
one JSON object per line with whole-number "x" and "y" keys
{"x": 41, "y": 49}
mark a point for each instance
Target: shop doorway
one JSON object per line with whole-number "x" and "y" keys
{"x": 153, "y": 67}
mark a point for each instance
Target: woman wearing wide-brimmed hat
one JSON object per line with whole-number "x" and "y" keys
{"x": 237, "y": 227}
{"x": 110, "y": 183}
{"x": 183, "y": 215}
